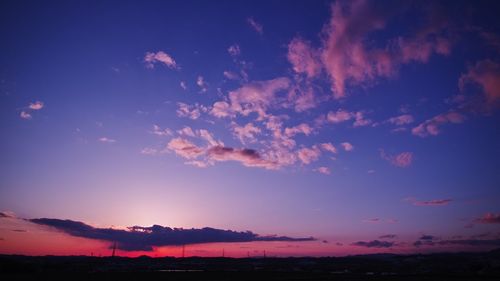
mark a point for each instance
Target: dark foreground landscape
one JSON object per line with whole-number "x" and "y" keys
{"x": 446, "y": 266}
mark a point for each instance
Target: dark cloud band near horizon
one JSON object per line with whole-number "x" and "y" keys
{"x": 138, "y": 238}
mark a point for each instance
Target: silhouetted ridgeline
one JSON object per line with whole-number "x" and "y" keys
{"x": 446, "y": 266}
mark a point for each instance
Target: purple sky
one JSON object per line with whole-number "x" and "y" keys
{"x": 370, "y": 125}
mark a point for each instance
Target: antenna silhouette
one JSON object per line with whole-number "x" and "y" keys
{"x": 183, "y": 250}
{"x": 223, "y": 252}
{"x": 114, "y": 250}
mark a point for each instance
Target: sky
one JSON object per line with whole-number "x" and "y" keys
{"x": 294, "y": 128}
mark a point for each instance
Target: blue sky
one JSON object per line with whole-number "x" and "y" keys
{"x": 339, "y": 120}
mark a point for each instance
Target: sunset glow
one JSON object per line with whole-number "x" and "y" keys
{"x": 249, "y": 128}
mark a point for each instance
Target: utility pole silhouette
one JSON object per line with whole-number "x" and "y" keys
{"x": 264, "y": 253}
{"x": 223, "y": 253}
{"x": 114, "y": 250}
{"x": 183, "y": 250}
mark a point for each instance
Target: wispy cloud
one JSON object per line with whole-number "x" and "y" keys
{"x": 202, "y": 84}
{"x": 402, "y": 160}
{"x": 431, "y": 126}
{"x": 190, "y": 111}
{"x": 234, "y": 50}
{"x": 308, "y": 155}
{"x": 347, "y": 56}
{"x": 184, "y": 148}
{"x": 339, "y": 116}
{"x": 342, "y": 115}
{"x": 401, "y": 119}
{"x": 324, "y": 170}
{"x": 152, "y": 58}
{"x": 25, "y": 115}
{"x": 486, "y": 74}
{"x": 106, "y": 140}
{"x": 328, "y": 146}
{"x": 347, "y": 146}
{"x": 161, "y": 132}
{"x": 255, "y": 97}
{"x": 303, "y": 57}
{"x": 302, "y": 128}
{"x": 434, "y": 202}
{"x": 246, "y": 133}
{"x": 255, "y": 25}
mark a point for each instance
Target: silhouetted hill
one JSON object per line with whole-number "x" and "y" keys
{"x": 441, "y": 266}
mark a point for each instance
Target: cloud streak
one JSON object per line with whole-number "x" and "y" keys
{"x": 138, "y": 238}
{"x": 489, "y": 218}
{"x": 435, "y": 202}
{"x": 374, "y": 244}
{"x": 431, "y": 126}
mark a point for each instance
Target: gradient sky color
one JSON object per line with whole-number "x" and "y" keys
{"x": 371, "y": 126}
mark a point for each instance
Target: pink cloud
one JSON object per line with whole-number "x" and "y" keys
{"x": 255, "y": 97}
{"x": 303, "y": 57}
{"x": 324, "y": 170}
{"x": 231, "y": 75}
{"x": 339, "y": 116}
{"x": 247, "y": 157}
{"x": 489, "y": 218}
{"x": 186, "y": 131}
{"x": 302, "y": 99}
{"x": 308, "y": 155}
{"x": 431, "y": 126}
{"x": 152, "y": 58}
{"x": 401, "y": 120}
{"x": 422, "y": 47}
{"x": 342, "y": 115}
{"x": 344, "y": 54}
{"x": 328, "y": 147}
{"x": 348, "y": 57}
{"x": 486, "y": 74}
{"x": 36, "y": 105}
{"x": 360, "y": 120}
{"x": 161, "y": 132}
{"x": 190, "y": 111}
{"x": 208, "y": 137}
{"x": 280, "y": 141}
{"x": 221, "y": 109}
{"x": 401, "y": 160}
{"x": 246, "y": 133}
{"x": 301, "y": 128}
{"x": 347, "y": 146}
{"x": 25, "y": 115}
{"x": 255, "y": 25}
{"x": 184, "y": 148}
